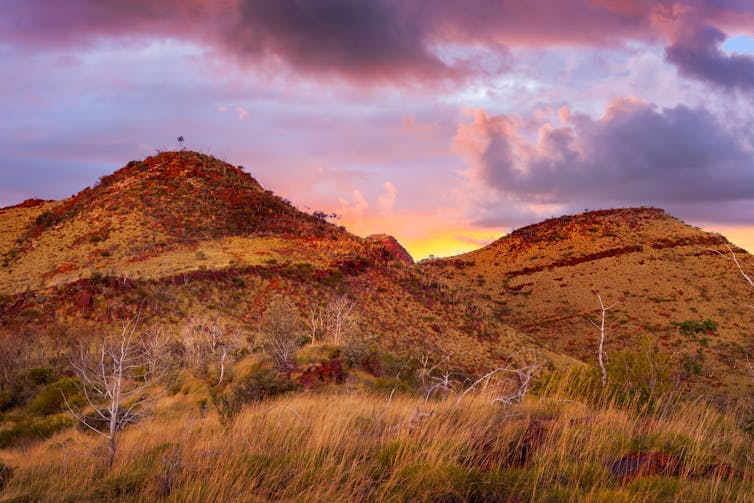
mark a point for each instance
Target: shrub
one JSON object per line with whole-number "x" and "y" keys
{"x": 263, "y": 384}
{"x": 47, "y": 219}
{"x": 260, "y": 385}
{"x": 51, "y": 398}
{"x": 360, "y": 349}
{"x": 27, "y": 428}
{"x": 227, "y": 405}
{"x": 696, "y": 327}
{"x": 281, "y": 333}
{"x": 6, "y": 400}
{"x": 41, "y": 375}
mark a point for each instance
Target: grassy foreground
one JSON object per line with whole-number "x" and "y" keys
{"x": 339, "y": 444}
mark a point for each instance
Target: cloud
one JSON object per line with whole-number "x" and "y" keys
{"x": 355, "y": 208}
{"x": 365, "y": 39}
{"x": 634, "y": 154}
{"x": 56, "y": 23}
{"x": 697, "y": 54}
{"x": 387, "y": 199}
{"x": 393, "y": 40}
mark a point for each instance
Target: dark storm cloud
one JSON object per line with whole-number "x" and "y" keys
{"x": 698, "y": 55}
{"x": 395, "y": 39}
{"x": 369, "y": 38}
{"x": 635, "y": 154}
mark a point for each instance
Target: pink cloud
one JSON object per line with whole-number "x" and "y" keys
{"x": 375, "y": 41}
{"x": 634, "y": 154}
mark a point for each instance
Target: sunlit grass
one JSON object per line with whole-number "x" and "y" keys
{"x": 335, "y": 446}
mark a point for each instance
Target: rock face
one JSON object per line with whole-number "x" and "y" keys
{"x": 650, "y": 464}
{"x": 391, "y": 246}
{"x": 320, "y": 373}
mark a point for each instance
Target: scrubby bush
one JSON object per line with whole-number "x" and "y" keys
{"x": 6, "y": 400}
{"x": 41, "y": 375}
{"x": 51, "y": 398}
{"x": 27, "y": 428}
{"x": 696, "y": 327}
{"x": 263, "y": 384}
{"x": 260, "y": 384}
{"x": 282, "y": 333}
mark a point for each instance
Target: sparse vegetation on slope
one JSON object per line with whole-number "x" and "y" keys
{"x": 665, "y": 274}
{"x": 303, "y": 362}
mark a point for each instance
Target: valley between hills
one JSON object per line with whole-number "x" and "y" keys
{"x": 268, "y": 354}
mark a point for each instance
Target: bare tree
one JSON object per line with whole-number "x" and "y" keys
{"x": 206, "y": 341}
{"x": 281, "y": 333}
{"x": 509, "y": 383}
{"x": 12, "y": 348}
{"x": 338, "y": 313}
{"x": 315, "y": 322}
{"x": 601, "y": 355}
{"x": 115, "y": 381}
{"x": 331, "y": 321}
{"x": 738, "y": 264}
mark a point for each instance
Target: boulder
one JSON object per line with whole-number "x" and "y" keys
{"x": 390, "y": 247}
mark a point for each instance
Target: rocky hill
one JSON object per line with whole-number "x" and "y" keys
{"x": 676, "y": 296}
{"x": 147, "y": 220}
{"x": 469, "y": 378}
{"x": 182, "y": 235}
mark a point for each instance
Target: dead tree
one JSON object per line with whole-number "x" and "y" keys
{"x": 116, "y": 381}
{"x": 733, "y": 257}
{"x": 601, "y": 355}
{"x": 315, "y": 322}
{"x": 510, "y": 383}
{"x": 280, "y": 333}
{"x": 206, "y": 341}
{"x": 338, "y": 313}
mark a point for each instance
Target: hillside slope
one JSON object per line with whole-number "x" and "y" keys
{"x": 182, "y": 235}
{"x": 149, "y": 219}
{"x": 675, "y": 295}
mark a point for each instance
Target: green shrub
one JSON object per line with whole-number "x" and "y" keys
{"x": 6, "y": 400}
{"x": 263, "y": 384}
{"x": 228, "y": 405}
{"x": 260, "y": 385}
{"x": 27, "y": 428}
{"x": 696, "y": 327}
{"x": 52, "y": 398}
{"x": 41, "y": 375}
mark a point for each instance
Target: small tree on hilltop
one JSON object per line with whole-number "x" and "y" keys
{"x": 281, "y": 333}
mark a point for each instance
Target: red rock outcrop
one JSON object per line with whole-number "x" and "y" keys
{"x": 391, "y": 247}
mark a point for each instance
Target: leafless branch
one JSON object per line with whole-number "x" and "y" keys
{"x": 601, "y": 355}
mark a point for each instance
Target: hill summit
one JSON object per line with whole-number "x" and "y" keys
{"x": 676, "y": 295}
{"x": 150, "y": 218}
{"x": 184, "y": 196}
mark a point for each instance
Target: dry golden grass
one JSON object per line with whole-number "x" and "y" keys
{"x": 338, "y": 446}
{"x": 62, "y": 256}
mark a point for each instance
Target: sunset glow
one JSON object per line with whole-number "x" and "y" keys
{"x": 443, "y": 123}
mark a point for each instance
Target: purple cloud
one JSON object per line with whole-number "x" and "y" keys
{"x": 698, "y": 55}
{"x": 635, "y": 154}
{"x": 365, "y": 39}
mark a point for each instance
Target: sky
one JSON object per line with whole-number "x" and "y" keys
{"x": 444, "y": 123}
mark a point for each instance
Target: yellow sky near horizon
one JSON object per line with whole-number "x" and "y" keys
{"x": 451, "y": 242}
